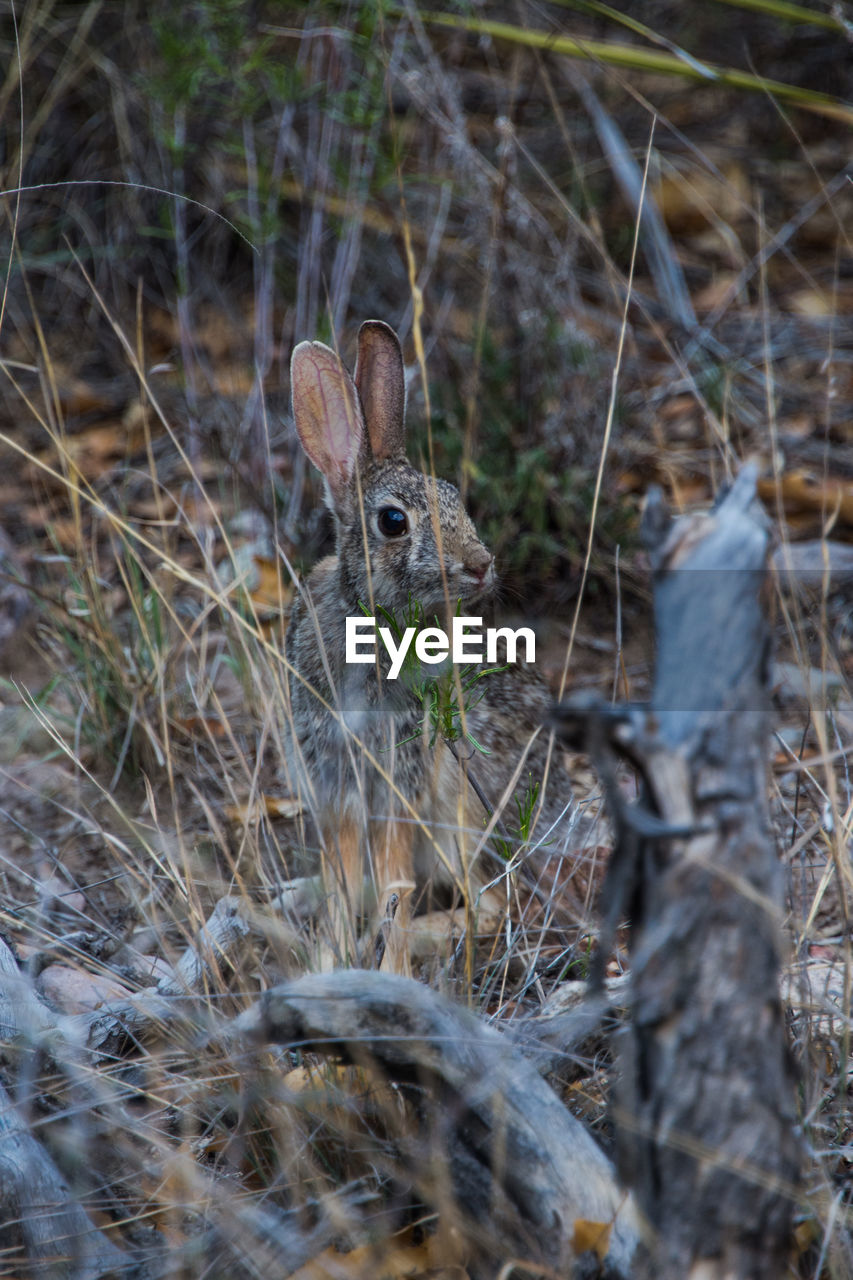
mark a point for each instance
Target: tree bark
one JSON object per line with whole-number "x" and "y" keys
{"x": 40, "y": 1219}
{"x": 705, "y": 1105}
{"x": 527, "y": 1180}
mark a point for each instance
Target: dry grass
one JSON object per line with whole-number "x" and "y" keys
{"x": 481, "y": 196}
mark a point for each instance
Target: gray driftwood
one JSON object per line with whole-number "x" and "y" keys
{"x": 704, "y": 1111}
{"x": 520, "y": 1169}
{"x": 26, "y": 1019}
{"x": 40, "y": 1219}
{"x": 108, "y": 1030}
{"x": 39, "y": 1216}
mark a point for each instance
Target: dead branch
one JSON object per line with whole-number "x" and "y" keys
{"x": 705, "y": 1106}
{"x": 523, "y": 1171}
{"x": 40, "y": 1217}
{"x": 21, "y": 1011}
{"x": 107, "y": 1030}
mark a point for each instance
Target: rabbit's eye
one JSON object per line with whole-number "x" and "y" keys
{"x": 392, "y": 522}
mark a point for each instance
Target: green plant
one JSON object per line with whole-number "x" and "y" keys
{"x": 533, "y": 514}
{"x": 447, "y": 695}
{"x": 117, "y": 665}
{"x": 517, "y": 838}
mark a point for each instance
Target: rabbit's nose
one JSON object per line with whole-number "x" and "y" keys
{"x": 478, "y": 564}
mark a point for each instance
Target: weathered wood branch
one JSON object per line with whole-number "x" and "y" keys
{"x": 108, "y": 1030}
{"x": 39, "y": 1217}
{"x": 705, "y": 1107}
{"x": 40, "y": 1220}
{"x": 523, "y": 1171}
{"x": 24, "y": 1017}
{"x": 21, "y": 1012}
{"x": 44, "y": 1227}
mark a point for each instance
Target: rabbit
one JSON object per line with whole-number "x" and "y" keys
{"x": 383, "y": 797}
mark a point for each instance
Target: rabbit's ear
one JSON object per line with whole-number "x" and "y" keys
{"x": 328, "y": 416}
{"x": 382, "y": 387}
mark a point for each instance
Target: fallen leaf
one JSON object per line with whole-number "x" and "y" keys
{"x": 251, "y": 812}
{"x": 436, "y": 1255}
{"x": 797, "y": 425}
{"x": 202, "y": 726}
{"x": 716, "y": 293}
{"x": 93, "y": 451}
{"x": 310, "y": 1077}
{"x": 269, "y": 594}
{"x": 282, "y": 806}
{"x": 65, "y": 533}
{"x": 591, "y": 1236}
{"x": 806, "y": 1233}
{"x": 802, "y": 491}
{"x": 630, "y": 482}
{"x": 75, "y": 991}
{"x": 694, "y": 201}
{"x": 814, "y": 303}
{"x": 677, "y": 407}
{"x": 783, "y": 762}
{"x": 77, "y": 397}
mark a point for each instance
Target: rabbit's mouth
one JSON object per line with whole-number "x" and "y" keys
{"x": 460, "y": 591}
{"x": 476, "y": 585}
{"x": 473, "y": 592}
{"x": 460, "y": 584}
